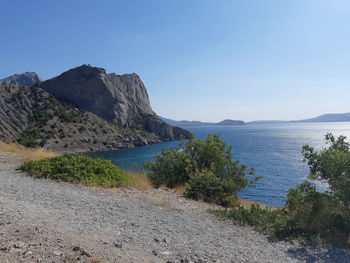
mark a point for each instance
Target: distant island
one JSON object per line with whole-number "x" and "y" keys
{"x": 330, "y": 117}
{"x": 200, "y": 123}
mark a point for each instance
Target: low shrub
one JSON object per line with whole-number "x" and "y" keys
{"x": 204, "y": 185}
{"x": 171, "y": 168}
{"x": 314, "y": 213}
{"x": 30, "y": 138}
{"x": 267, "y": 220}
{"x": 77, "y": 169}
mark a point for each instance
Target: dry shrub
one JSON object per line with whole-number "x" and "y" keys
{"x": 140, "y": 180}
{"x": 25, "y": 153}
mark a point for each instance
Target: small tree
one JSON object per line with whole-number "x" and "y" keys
{"x": 197, "y": 160}
{"x": 324, "y": 213}
{"x": 331, "y": 165}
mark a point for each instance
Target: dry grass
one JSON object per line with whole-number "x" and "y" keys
{"x": 179, "y": 189}
{"x": 25, "y": 153}
{"x": 247, "y": 203}
{"x": 140, "y": 180}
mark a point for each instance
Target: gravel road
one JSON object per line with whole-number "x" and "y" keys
{"x": 46, "y": 221}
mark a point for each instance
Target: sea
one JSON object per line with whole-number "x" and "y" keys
{"x": 273, "y": 150}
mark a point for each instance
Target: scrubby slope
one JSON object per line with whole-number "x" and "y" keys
{"x": 33, "y": 117}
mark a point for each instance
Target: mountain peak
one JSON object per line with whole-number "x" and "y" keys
{"x": 24, "y": 79}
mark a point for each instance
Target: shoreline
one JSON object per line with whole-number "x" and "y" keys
{"x": 35, "y": 154}
{"x": 44, "y": 220}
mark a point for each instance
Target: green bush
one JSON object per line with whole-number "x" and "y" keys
{"x": 77, "y": 169}
{"x": 209, "y": 160}
{"x": 171, "y": 168}
{"x": 267, "y": 220}
{"x": 30, "y": 138}
{"x": 206, "y": 186}
{"x": 309, "y": 213}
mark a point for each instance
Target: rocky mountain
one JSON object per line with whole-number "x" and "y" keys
{"x": 33, "y": 117}
{"x": 119, "y": 99}
{"x": 200, "y": 123}
{"x": 25, "y": 79}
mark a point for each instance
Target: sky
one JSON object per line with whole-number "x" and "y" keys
{"x": 205, "y": 60}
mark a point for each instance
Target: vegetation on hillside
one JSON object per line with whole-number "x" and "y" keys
{"x": 59, "y": 125}
{"x": 204, "y": 166}
{"x": 77, "y": 169}
{"x": 310, "y": 213}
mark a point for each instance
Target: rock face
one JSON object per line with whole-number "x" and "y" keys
{"x": 25, "y": 79}
{"x": 120, "y": 99}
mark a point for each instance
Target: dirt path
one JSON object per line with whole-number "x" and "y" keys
{"x": 46, "y": 221}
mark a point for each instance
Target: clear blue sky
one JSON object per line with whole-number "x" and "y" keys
{"x": 200, "y": 59}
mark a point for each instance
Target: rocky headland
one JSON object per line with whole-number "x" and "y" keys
{"x": 83, "y": 109}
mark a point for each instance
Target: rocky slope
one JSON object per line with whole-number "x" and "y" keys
{"x": 25, "y": 79}
{"x": 33, "y": 117}
{"x": 120, "y": 99}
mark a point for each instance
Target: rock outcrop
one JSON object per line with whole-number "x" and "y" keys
{"x": 33, "y": 117}
{"x": 25, "y": 79}
{"x": 119, "y": 99}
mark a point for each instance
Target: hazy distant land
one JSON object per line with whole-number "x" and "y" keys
{"x": 330, "y": 117}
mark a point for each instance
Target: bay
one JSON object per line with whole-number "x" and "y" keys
{"x": 273, "y": 150}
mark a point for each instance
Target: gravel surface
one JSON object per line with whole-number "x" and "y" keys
{"x": 46, "y": 221}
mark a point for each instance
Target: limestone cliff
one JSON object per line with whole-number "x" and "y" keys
{"x": 120, "y": 99}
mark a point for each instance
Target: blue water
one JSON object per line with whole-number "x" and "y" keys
{"x": 273, "y": 150}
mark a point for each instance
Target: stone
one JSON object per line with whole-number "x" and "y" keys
{"x": 58, "y": 253}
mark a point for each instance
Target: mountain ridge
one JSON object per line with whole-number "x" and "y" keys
{"x": 327, "y": 117}
{"x": 24, "y": 79}
{"x": 200, "y": 123}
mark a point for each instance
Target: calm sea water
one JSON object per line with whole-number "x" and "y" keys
{"x": 273, "y": 150}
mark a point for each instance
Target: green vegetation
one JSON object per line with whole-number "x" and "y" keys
{"x": 310, "y": 213}
{"x": 30, "y": 137}
{"x": 267, "y": 220}
{"x": 205, "y": 166}
{"x": 77, "y": 169}
{"x": 50, "y": 120}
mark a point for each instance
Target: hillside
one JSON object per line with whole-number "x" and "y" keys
{"x": 200, "y": 123}
{"x": 331, "y": 117}
{"x": 33, "y": 117}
